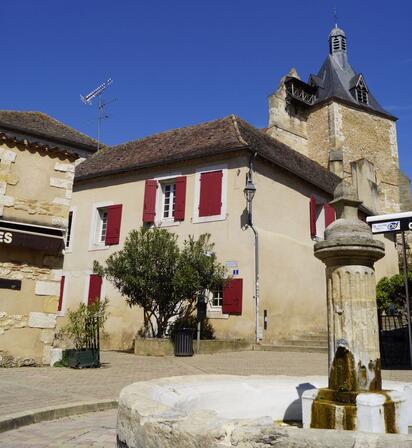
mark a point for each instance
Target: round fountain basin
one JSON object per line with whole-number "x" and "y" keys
{"x": 223, "y": 411}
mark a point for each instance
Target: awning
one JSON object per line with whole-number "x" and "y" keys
{"x": 31, "y": 236}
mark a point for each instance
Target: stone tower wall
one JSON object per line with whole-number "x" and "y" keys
{"x": 358, "y": 135}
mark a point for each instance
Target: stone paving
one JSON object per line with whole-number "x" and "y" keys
{"x": 97, "y": 430}
{"x": 30, "y": 388}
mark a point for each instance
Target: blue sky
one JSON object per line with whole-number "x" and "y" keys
{"x": 181, "y": 62}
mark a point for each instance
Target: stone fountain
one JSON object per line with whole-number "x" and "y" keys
{"x": 218, "y": 411}
{"x": 354, "y": 398}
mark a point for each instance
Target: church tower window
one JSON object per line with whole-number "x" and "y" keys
{"x": 361, "y": 91}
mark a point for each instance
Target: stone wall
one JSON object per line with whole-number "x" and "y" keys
{"x": 35, "y": 186}
{"x": 33, "y": 308}
{"x": 286, "y": 122}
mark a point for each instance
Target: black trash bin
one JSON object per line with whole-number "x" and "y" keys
{"x": 184, "y": 342}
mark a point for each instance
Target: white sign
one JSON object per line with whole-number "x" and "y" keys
{"x": 6, "y": 237}
{"x": 390, "y": 226}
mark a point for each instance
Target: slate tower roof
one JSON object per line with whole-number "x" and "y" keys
{"x": 337, "y": 79}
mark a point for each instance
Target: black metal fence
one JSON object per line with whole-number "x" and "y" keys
{"x": 93, "y": 336}
{"x": 394, "y": 340}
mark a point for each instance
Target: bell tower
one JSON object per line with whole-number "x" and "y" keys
{"x": 334, "y": 119}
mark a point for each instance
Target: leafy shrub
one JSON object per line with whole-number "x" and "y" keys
{"x": 78, "y": 328}
{"x": 165, "y": 279}
{"x": 390, "y": 293}
{"x": 206, "y": 328}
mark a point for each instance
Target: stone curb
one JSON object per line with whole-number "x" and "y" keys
{"x": 14, "y": 421}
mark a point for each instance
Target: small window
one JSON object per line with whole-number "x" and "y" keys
{"x": 362, "y": 96}
{"x": 216, "y": 300}
{"x": 69, "y": 229}
{"x": 101, "y": 225}
{"x": 169, "y": 200}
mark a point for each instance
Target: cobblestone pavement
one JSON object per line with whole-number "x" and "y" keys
{"x": 29, "y": 388}
{"x": 97, "y": 430}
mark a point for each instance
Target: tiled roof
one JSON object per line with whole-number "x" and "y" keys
{"x": 215, "y": 137}
{"x": 37, "y": 125}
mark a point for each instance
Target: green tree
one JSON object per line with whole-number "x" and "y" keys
{"x": 165, "y": 280}
{"x": 390, "y": 293}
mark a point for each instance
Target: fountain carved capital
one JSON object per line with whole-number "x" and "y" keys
{"x": 348, "y": 240}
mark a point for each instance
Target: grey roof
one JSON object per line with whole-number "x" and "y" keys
{"x": 225, "y": 135}
{"x": 336, "y": 78}
{"x": 337, "y": 32}
{"x": 44, "y": 130}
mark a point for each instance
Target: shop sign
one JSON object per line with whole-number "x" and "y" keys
{"x": 6, "y": 237}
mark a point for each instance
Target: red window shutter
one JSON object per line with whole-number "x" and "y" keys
{"x": 210, "y": 203}
{"x": 95, "y": 288}
{"x": 329, "y": 214}
{"x": 114, "y": 219}
{"x": 180, "y": 198}
{"x": 62, "y": 280}
{"x": 312, "y": 216}
{"x": 149, "y": 205}
{"x": 232, "y": 296}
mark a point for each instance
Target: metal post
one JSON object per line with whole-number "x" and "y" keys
{"x": 198, "y": 338}
{"x": 99, "y": 120}
{"x": 405, "y": 277}
{"x": 257, "y": 292}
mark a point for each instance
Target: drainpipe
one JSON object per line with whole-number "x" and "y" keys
{"x": 250, "y": 224}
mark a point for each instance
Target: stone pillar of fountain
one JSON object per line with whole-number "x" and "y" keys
{"x": 354, "y": 398}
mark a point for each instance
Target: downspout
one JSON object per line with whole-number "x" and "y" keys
{"x": 250, "y": 224}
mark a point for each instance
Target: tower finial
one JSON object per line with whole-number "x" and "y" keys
{"x": 335, "y": 16}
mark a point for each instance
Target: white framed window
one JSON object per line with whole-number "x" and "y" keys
{"x": 215, "y": 305}
{"x": 216, "y": 299}
{"x": 99, "y": 226}
{"x": 197, "y": 215}
{"x": 168, "y": 199}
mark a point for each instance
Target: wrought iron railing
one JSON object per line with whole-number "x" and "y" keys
{"x": 93, "y": 335}
{"x": 393, "y": 339}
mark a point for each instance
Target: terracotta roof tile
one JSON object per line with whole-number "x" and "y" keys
{"x": 224, "y": 135}
{"x": 40, "y": 125}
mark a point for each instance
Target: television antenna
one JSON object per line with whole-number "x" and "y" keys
{"x": 101, "y": 114}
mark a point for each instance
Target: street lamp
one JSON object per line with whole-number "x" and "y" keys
{"x": 249, "y": 192}
{"x": 249, "y": 189}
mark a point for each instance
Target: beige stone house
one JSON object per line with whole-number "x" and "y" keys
{"x": 37, "y": 159}
{"x": 191, "y": 181}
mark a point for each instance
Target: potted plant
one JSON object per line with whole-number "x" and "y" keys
{"x": 83, "y": 329}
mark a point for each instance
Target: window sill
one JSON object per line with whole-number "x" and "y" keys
{"x": 95, "y": 247}
{"x": 167, "y": 223}
{"x": 200, "y": 219}
{"x": 216, "y": 313}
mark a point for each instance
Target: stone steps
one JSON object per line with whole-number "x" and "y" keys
{"x": 316, "y": 342}
{"x": 291, "y": 348}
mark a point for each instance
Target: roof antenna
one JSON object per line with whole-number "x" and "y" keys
{"x": 335, "y": 16}
{"x": 101, "y": 114}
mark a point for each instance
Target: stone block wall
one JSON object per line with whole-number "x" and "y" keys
{"x": 34, "y": 185}
{"x": 33, "y": 309}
